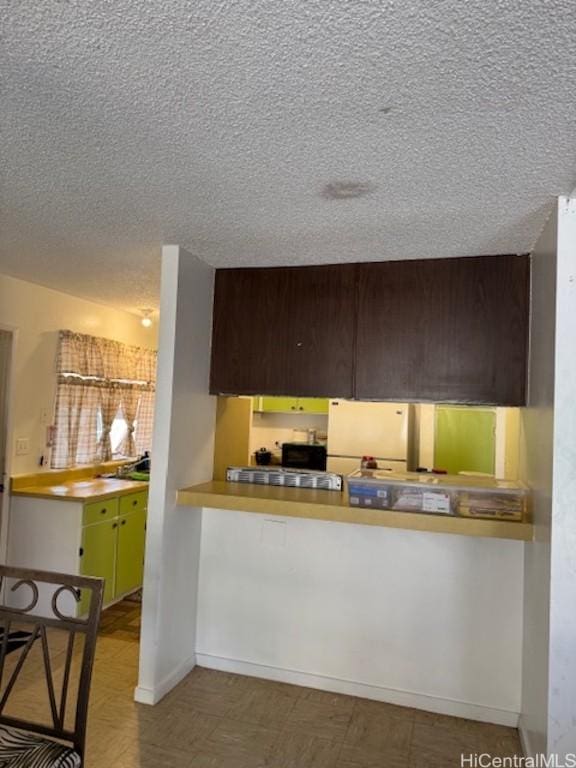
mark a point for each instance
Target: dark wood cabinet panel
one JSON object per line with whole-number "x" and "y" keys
{"x": 284, "y": 331}
{"x": 452, "y": 330}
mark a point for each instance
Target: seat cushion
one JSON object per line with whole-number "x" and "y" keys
{"x": 20, "y": 749}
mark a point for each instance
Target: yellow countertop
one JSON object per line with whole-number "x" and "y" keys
{"x": 333, "y": 506}
{"x": 88, "y": 489}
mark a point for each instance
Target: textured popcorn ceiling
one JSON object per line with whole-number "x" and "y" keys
{"x": 217, "y": 124}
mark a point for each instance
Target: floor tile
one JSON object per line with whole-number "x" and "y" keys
{"x": 263, "y": 706}
{"x": 185, "y": 728}
{"x": 149, "y": 756}
{"x": 322, "y": 714}
{"x": 210, "y": 693}
{"x": 432, "y": 744}
{"x": 452, "y": 736}
{"x": 233, "y": 739}
{"x": 366, "y": 757}
{"x": 375, "y": 726}
{"x": 297, "y": 750}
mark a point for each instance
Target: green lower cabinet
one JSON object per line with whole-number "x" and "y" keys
{"x": 98, "y": 557}
{"x": 114, "y": 548}
{"x": 130, "y": 555}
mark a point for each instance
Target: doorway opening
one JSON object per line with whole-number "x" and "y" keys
{"x": 6, "y": 340}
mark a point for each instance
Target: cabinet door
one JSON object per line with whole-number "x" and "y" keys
{"x": 284, "y": 331}
{"x": 130, "y": 557}
{"x": 279, "y": 404}
{"x": 313, "y": 405}
{"x": 465, "y": 439}
{"x": 98, "y": 557}
{"x": 100, "y": 511}
{"x": 133, "y": 502}
{"x": 452, "y": 330}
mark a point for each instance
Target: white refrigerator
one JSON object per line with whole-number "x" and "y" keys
{"x": 381, "y": 430}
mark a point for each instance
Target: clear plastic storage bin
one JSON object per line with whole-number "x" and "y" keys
{"x": 479, "y": 497}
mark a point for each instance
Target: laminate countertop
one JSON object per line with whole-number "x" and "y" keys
{"x": 85, "y": 490}
{"x": 333, "y": 506}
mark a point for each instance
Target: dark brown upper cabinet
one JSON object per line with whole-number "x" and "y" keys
{"x": 284, "y": 331}
{"x": 453, "y": 330}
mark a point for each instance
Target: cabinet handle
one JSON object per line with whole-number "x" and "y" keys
{"x": 293, "y": 407}
{"x": 103, "y": 511}
{"x": 134, "y": 502}
{"x": 81, "y": 551}
{"x": 123, "y": 522}
{"x": 114, "y": 525}
{"x": 301, "y": 408}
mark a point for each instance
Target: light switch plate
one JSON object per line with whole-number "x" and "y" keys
{"x": 22, "y": 446}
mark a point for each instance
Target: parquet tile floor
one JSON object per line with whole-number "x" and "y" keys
{"x": 219, "y": 720}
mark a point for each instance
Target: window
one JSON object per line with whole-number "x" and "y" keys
{"x": 104, "y": 401}
{"x": 118, "y": 433}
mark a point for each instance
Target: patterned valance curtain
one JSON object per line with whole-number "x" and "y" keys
{"x": 91, "y": 356}
{"x": 104, "y": 401}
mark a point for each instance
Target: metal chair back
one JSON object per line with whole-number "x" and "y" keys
{"x": 39, "y": 627}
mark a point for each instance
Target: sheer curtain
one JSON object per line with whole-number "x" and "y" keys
{"x": 77, "y": 408}
{"x": 144, "y": 422}
{"x": 130, "y": 401}
{"x": 99, "y": 382}
{"x": 109, "y": 404}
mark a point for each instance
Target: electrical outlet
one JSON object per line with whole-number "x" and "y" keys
{"x": 22, "y": 446}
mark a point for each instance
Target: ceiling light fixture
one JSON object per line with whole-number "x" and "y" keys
{"x": 146, "y": 317}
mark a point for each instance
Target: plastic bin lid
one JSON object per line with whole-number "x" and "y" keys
{"x": 426, "y": 478}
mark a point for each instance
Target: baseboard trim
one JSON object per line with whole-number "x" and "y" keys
{"x": 524, "y": 739}
{"x": 153, "y": 695}
{"x": 364, "y": 690}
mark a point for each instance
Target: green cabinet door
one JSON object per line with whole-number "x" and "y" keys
{"x": 293, "y": 405}
{"x": 278, "y": 404}
{"x": 98, "y": 557}
{"x": 465, "y": 439}
{"x": 313, "y": 404}
{"x": 130, "y": 557}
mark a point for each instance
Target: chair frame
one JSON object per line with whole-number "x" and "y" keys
{"x": 87, "y": 626}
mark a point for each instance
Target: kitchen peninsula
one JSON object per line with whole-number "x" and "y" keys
{"x": 334, "y": 506}
{"x": 300, "y": 587}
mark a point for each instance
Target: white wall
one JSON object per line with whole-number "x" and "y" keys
{"x": 182, "y": 450}
{"x": 37, "y": 314}
{"x": 536, "y": 469}
{"x": 421, "y": 619}
{"x": 562, "y": 666}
